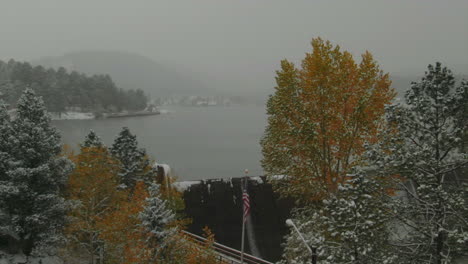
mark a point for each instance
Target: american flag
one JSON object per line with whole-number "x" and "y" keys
{"x": 246, "y": 202}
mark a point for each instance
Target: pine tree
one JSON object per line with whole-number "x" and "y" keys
{"x": 7, "y": 187}
{"x": 431, "y": 126}
{"x": 5, "y": 142}
{"x": 134, "y": 161}
{"x": 92, "y": 140}
{"x": 33, "y": 210}
{"x": 351, "y": 226}
{"x": 156, "y": 218}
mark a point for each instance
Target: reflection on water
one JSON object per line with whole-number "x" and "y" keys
{"x": 198, "y": 142}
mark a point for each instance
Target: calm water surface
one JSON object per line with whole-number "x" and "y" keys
{"x": 197, "y": 142}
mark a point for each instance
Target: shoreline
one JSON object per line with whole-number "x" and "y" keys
{"x": 71, "y": 115}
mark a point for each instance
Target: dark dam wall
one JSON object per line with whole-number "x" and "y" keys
{"x": 217, "y": 204}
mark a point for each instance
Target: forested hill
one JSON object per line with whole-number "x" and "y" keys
{"x": 158, "y": 79}
{"x": 63, "y": 90}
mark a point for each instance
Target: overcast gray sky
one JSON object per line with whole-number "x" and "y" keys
{"x": 240, "y": 41}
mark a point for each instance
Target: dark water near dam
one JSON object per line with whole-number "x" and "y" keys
{"x": 197, "y": 142}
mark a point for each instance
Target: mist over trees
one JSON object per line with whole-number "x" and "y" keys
{"x": 130, "y": 70}
{"x": 62, "y": 90}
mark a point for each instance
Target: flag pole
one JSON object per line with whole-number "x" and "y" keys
{"x": 244, "y": 185}
{"x": 242, "y": 244}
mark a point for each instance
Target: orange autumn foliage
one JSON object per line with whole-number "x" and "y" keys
{"x": 203, "y": 254}
{"x": 122, "y": 229}
{"x": 92, "y": 186}
{"x": 67, "y": 151}
{"x": 320, "y": 119}
{"x": 104, "y": 223}
{"x": 127, "y": 241}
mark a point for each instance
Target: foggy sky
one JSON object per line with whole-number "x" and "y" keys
{"x": 240, "y": 42}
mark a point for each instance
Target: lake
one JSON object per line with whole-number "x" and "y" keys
{"x": 197, "y": 142}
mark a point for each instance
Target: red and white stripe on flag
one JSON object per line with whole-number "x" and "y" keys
{"x": 246, "y": 202}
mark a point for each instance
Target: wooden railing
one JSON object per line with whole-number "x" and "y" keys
{"x": 224, "y": 253}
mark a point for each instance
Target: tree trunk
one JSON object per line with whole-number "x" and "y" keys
{"x": 439, "y": 247}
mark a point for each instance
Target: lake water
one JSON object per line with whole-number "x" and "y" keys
{"x": 197, "y": 142}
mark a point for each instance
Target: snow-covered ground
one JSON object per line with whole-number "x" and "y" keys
{"x": 72, "y": 116}
{"x": 20, "y": 259}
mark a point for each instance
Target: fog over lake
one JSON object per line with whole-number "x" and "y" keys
{"x": 197, "y": 142}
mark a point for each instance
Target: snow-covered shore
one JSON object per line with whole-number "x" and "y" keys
{"x": 62, "y": 116}
{"x": 72, "y": 116}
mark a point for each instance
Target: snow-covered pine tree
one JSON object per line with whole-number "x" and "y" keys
{"x": 92, "y": 140}
{"x": 155, "y": 218}
{"x": 431, "y": 126}
{"x": 134, "y": 161}
{"x": 7, "y": 188}
{"x": 33, "y": 209}
{"x": 5, "y": 143}
{"x": 348, "y": 227}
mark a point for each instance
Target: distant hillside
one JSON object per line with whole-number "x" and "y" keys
{"x": 130, "y": 71}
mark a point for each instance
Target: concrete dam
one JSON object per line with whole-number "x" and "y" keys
{"x": 217, "y": 204}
